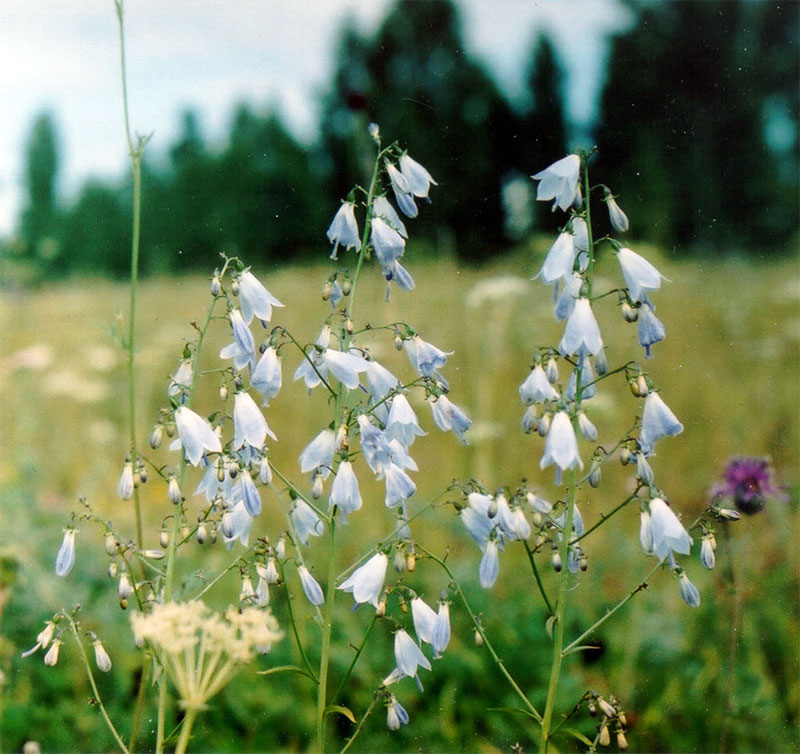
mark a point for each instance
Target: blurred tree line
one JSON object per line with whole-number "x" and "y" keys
{"x": 697, "y": 135}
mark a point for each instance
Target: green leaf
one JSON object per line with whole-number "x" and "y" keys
{"x": 342, "y": 711}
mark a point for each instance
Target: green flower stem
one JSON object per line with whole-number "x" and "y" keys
{"x": 95, "y": 691}
{"x": 587, "y": 204}
{"x": 137, "y": 712}
{"x": 603, "y": 518}
{"x": 479, "y": 628}
{"x": 327, "y": 626}
{"x": 538, "y": 578}
{"x": 563, "y": 592}
{"x": 361, "y": 723}
{"x": 355, "y": 658}
{"x": 186, "y": 730}
{"x": 575, "y": 645}
{"x": 294, "y": 627}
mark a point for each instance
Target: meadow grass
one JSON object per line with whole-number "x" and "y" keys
{"x": 728, "y": 369}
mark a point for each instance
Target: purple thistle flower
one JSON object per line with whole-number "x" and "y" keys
{"x": 748, "y": 482}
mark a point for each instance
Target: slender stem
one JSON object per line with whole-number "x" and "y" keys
{"x": 137, "y": 712}
{"x": 95, "y": 691}
{"x": 558, "y": 633}
{"x": 294, "y": 627}
{"x": 355, "y": 658}
{"x": 327, "y": 627}
{"x": 603, "y": 518}
{"x": 186, "y": 730}
{"x": 730, "y": 679}
{"x": 538, "y": 578}
{"x": 587, "y": 204}
{"x": 643, "y": 585}
{"x": 361, "y": 723}
{"x": 479, "y": 628}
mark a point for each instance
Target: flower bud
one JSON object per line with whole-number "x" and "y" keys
{"x": 605, "y": 736}
{"x": 101, "y": 658}
{"x": 583, "y": 562}
{"x": 398, "y": 342}
{"x": 233, "y": 469}
{"x": 51, "y": 658}
{"x": 606, "y": 708}
{"x": 625, "y": 456}
{"x": 643, "y": 471}
{"x": 220, "y": 471}
{"x": 619, "y": 220}
{"x": 622, "y": 742}
{"x": 380, "y": 611}
{"x": 185, "y": 532}
{"x": 374, "y": 131}
{"x": 216, "y": 286}
{"x": 595, "y": 475}
{"x": 235, "y": 287}
{"x": 280, "y": 547}
{"x": 347, "y": 286}
{"x": 478, "y": 638}
{"x": 163, "y": 538}
{"x": 156, "y": 436}
{"x": 622, "y": 719}
{"x": 112, "y": 570}
{"x": 202, "y": 533}
{"x": 557, "y": 563}
{"x": 629, "y": 314}
{"x": 223, "y": 392}
{"x": 264, "y": 471}
{"x": 317, "y": 487}
{"x": 411, "y": 563}
{"x": 110, "y": 543}
{"x": 326, "y": 290}
{"x": 174, "y": 491}
{"x": 399, "y": 562}
{"x": 544, "y": 425}
{"x": 592, "y": 708}
{"x": 124, "y": 588}
{"x": 728, "y": 513}
{"x": 349, "y": 326}
{"x": 342, "y": 443}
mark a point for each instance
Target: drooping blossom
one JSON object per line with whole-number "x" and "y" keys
{"x": 344, "y": 491}
{"x": 581, "y": 335}
{"x": 344, "y": 230}
{"x": 559, "y": 260}
{"x": 196, "y": 435}
{"x": 650, "y": 328}
{"x": 418, "y": 178}
{"x": 311, "y": 587}
{"x": 640, "y": 276}
{"x": 366, "y": 582}
{"x": 243, "y": 348}
{"x": 255, "y": 299}
{"x": 561, "y": 446}
{"x": 657, "y": 421}
{"x": 559, "y": 181}
{"x": 266, "y": 376}
{"x": 667, "y": 532}
{"x": 65, "y": 558}
{"x": 249, "y": 425}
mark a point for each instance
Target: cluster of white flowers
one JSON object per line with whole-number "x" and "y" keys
{"x": 201, "y": 649}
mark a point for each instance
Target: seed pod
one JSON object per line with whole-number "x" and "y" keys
{"x": 235, "y": 287}
{"x": 163, "y": 538}
{"x": 110, "y": 544}
{"x": 156, "y": 436}
{"x": 398, "y": 342}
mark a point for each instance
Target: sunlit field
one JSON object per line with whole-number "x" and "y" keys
{"x": 728, "y": 365}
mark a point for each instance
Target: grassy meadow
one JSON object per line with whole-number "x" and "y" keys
{"x": 728, "y": 369}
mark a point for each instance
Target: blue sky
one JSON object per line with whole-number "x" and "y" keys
{"x": 208, "y": 54}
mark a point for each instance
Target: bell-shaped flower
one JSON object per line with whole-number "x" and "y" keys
{"x": 537, "y": 388}
{"x": 306, "y": 522}
{"x": 383, "y": 209}
{"x": 236, "y": 525}
{"x": 402, "y": 191}
{"x": 587, "y": 427}
{"x": 399, "y": 485}
{"x": 182, "y": 379}
{"x": 344, "y": 490}
{"x": 402, "y": 422}
{"x": 65, "y": 558}
{"x": 475, "y": 517}
{"x": 449, "y": 417}
{"x": 319, "y": 452}
{"x": 408, "y": 655}
{"x": 255, "y": 299}
{"x": 380, "y": 381}
{"x": 101, "y": 658}
{"x": 249, "y": 494}
{"x": 645, "y": 532}
{"x": 581, "y": 335}
{"x": 418, "y": 178}
{"x": 657, "y": 421}
{"x": 559, "y": 182}
{"x": 707, "y": 557}
{"x": 344, "y": 229}
{"x": 619, "y": 220}
{"x": 398, "y": 274}
{"x": 345, "y": 367}
{"x": 266, "y": 376}
{"x": 396, "y": 714}
{"x": 243, "y": 348}
{"x": 441, "y": 629}
{"x": 689, "y": 592}
{"x": 388, "y": 244}
{"x": 580, "y": 232}
{"x": 640, "y": 276}
{"x": 196, "y": 435}
{"x": 43, "y": 638}
{"x": 561, "y": 446}
{"x": 366, "y": 582}
{"x": 667, "y": 531}
{"x": 249, "y": 425}
{"x": 565, "y": 302}
{"x": 377, "y": 452}
{"x": 539, "y": 504}
{"x": 311, "y": 587}
{"x": 489, "y": 567}
{"x": 587, "y": 378}
{"x": 425, "y": 357}
{"x": 559, "y": 260}
{"x": 651, "y": 329}
{"x": 424, "y": 620}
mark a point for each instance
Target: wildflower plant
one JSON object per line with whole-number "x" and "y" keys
{"x": 222, "y": 488}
